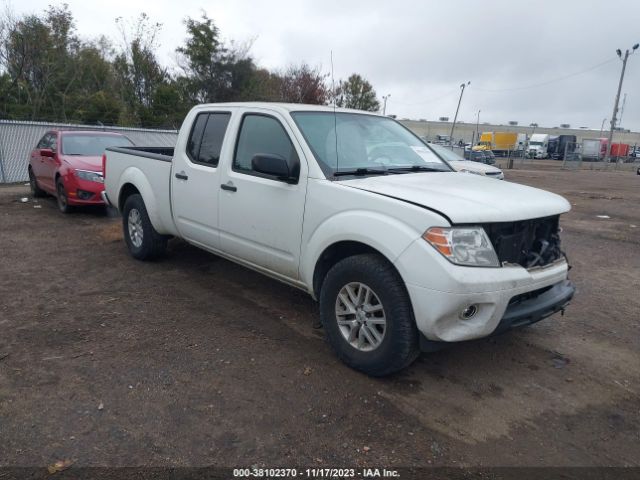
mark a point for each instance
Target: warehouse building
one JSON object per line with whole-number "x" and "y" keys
{"x": 465, "y": 131}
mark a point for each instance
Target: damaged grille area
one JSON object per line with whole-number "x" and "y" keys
{"x": 529, "y": 243}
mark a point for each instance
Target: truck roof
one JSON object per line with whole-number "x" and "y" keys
{"x": 285, "y": 107}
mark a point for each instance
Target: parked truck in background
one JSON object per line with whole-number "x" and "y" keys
{"x": 538, "y": 145}
{"x": 558, "y": 145}
{"x": 502, "y": 144}
{"x": 619, "y": 151}
{"x": 594, "y": 149}
{"x": 401, "y": 251}
{"x": 485, "y": 142}
{"x": 522, "y": 143}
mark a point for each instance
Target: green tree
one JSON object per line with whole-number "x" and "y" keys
{"x": 358, "y": 93}
{"x": 214, "y": 72}
{"x": 50, "y": 74}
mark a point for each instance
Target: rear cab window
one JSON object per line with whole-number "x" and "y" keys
{"x": 205, "y": 139}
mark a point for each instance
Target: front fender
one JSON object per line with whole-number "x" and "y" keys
{"x": 137, "y": 178}
{"x": 386, "y": 234}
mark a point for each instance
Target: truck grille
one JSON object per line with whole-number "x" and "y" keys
{"x": 529, "y": 243}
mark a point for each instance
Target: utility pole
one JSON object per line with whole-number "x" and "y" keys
{"x": 384, "y": 108}
{"x": 624, "y": 102}
{"x": 624, "y": 59}
{"x": 477, "y": 123}
{"x": 453, "y": 126}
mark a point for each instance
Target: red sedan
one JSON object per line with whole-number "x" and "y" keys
{"x": 68, "y": 165}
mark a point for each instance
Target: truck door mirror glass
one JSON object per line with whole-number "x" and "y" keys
{"x": 271, "y": 164}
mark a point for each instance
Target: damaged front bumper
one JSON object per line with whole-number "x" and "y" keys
{"x": 521, "y": 313}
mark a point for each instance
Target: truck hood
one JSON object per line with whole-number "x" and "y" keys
{"x": 465, "y": 198}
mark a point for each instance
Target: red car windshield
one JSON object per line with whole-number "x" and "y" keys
{"x": 92, "y": 145}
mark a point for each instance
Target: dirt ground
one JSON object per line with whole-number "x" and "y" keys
{"x": 195, "y": 361}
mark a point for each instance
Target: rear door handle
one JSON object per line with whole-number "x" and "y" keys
{"x": 229, "y": 186}
{"x": 182, "y": 176}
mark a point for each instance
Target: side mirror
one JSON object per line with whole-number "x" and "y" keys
{"x": 275, "y": 165}
{"x": 47, "y": 152}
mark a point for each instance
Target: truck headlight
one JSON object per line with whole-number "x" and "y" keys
{"x": 90, "y": 176}
{"x": 469, "y": 246}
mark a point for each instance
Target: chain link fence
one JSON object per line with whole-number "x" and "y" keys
{"x": 18, "y": 139}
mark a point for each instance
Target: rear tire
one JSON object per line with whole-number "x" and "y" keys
{"x": 143, "y": 241}
{"x": 61, "y": 197}
{"x": 36, "y": 191}
{"x": 395, "y": 340}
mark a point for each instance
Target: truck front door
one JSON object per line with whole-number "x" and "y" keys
{"x": 261, "y": 217}
{"x": 195, "y": 182}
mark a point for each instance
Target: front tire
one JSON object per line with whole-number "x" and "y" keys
{"x": 61, "y": 197}
{"x": 143, "y": 241}
{"x": 367, "y": 315}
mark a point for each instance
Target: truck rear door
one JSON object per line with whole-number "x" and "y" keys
{"x": 195, "y": 178}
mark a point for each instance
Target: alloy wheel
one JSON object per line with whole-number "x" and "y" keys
{"x": 360, "y": 316}
{"x": 134, "y": 224}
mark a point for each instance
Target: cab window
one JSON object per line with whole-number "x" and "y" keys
{"x": 206, "y": 137}
{"x": 262, "y": 134}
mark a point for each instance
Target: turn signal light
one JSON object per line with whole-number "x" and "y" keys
{"x": 436, "y": 236}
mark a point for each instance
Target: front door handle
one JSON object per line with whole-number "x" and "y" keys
{"x": 229, "y": 186}
{"x": 182, "y": 176}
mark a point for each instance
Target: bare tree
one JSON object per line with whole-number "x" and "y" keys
{"x": 304, "y": 84}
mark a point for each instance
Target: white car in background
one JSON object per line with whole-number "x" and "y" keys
{"x": 462, "y": 165}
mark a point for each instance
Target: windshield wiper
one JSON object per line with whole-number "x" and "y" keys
{"x": 416, "y": 168}
{"x": 360, "y": 171}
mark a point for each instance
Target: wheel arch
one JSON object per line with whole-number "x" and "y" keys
{"x": 126, "y": 191}
{"x": 134, "y": 181}
{"x": 350, "y": 233}
{"x": 337, "y": 252}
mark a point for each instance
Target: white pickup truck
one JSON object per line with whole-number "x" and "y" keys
{"x": 401, "y": 252}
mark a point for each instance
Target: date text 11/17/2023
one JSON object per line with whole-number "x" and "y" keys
{"x": 315, "y": 473}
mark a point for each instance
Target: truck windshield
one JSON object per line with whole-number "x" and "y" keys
{"x": 92, "y": 145}
{"x": 535, "y": 143}
{"x": 360, "y": 144}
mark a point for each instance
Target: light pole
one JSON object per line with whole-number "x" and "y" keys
{"x": 453, "y": 126}
{"x": 384, "y": 108}
{"x": 534, "y": 125}
{"x": 624, "y": 59}
{"x": 602, "y": 126}
{"x": 477, "y": 123}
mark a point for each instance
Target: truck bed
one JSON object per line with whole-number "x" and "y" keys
{"x": 149, "y": 168}
{"x": 158, "y": 153}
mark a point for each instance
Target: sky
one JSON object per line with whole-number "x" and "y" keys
{"x": 544, "y": 62}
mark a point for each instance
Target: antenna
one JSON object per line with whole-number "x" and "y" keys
{"x": 335, "y": 117}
